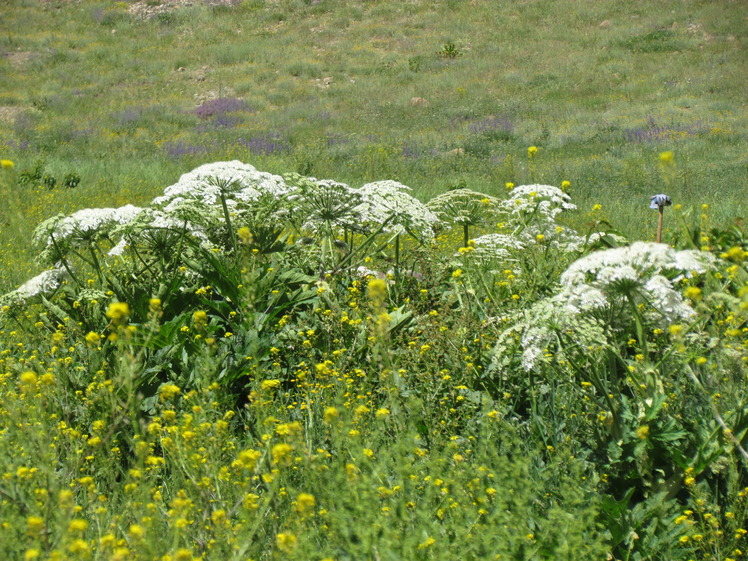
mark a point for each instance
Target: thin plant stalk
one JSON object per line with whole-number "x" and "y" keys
{"x": 661, "y": 212}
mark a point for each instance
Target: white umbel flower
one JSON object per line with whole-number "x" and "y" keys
{"x": 149, "y": 221}
{"x": 464, "y": 206}
{"x": 527, "y": 198}
{"x": 496, "y": 247}
{"x": 323, "y": 204}
{"x": 82, "y": 225}
{"x": 239, "y": 182}
{"x": 43, "y": 283}
{"x": 388, "y": 201}
{"x": 604, "y": 286}
{"x": 638, "y": 259}
{"x": 642, "y": 271}
{"x": 532, "y": 211}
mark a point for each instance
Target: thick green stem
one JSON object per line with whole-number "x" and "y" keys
{"x": 64, "y": 261}
{"x": 397, "y": 256}
{"x": 227, "y": 218}
{"x": 97, "y": 265}
{"x": 642, "y": 340}
{"x": 363, "y": 246}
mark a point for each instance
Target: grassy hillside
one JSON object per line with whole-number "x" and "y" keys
{"x": 126, "y": 97}
{"x": 271, "y": 367}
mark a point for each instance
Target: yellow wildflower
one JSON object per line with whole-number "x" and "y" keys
{"x": 428, "y": 543}
{"x": 77, "y": 525}
{"x": 118, "y": 312}
{"x": 286, "y": 542}
{"x": 330, "y": 414}
{"x": 693, "y": 293}
{"x": 377, "y": 290}
{"x": 282, "y": 454}
{"x": 168, "y": 391}
{"x": 305, "y": 503}
{"x": 182, "y": 554}
{"x": 35, "y": 524}
{"x": 270, "y": 384}
{"x": 382, "y": 413}
{"x": 667, "y": 158}
{"x": 200, "y": 319}
{"x": 244, "y": 234}
{"x": 93, "y": 338}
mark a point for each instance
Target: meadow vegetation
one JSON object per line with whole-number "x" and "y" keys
{"x": 433, "y": 94}
{"x": 436, "y": 327}
{"x": 257, "y": 366}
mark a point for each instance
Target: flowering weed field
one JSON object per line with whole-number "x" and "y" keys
{"x": 260, "y": 366}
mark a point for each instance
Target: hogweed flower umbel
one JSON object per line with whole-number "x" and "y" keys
{"x": 602, "y": 290}
{"x": 532, "y": 212}
{"x": 464, "y": 207}
{"x": 388, "y": 203}
{"x": 643, "y": 272}
{"x": 42, "y": 284}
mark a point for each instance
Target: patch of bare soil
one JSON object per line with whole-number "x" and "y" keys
{"x": 19, "y": 59}
{"x": 149, "y": 9}
{"x": 8, "y": 113}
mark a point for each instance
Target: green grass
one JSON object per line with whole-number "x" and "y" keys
{"x": 112, "y": 97}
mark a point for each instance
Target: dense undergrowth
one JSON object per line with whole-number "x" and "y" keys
{"x": 278, "y": 367}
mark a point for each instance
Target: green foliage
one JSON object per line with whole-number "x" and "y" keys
{"x": 449, "y": 50}
{"x": 233, "y": 371}
{"x": 245, "y": 373}
{"x": 657, "y": 41}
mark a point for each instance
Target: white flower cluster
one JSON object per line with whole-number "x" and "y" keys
{"x": 638, "y": 271}
{"x": 43, "y": 283}
{"x": 597, "y": 287}
{"x": 150, "y": 220}
{"x": 532, "y": 211}
{"x": 546, "y": 200}
{"x": 535, "y": 337}
{"x": 82, "y": 225}
{"x": 236, "y": 181}
{"x": 388, "y": 202}
{"x": 496, "y": 247}
{"x": 320, "y": 204}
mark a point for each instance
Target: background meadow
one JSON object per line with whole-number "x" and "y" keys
{"x": 127, "y": 96}
{"x": 458, "y": 342}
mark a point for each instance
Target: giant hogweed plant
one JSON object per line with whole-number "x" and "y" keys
{"x": 244, "y": 247}
{"x": 634, "y": 338}
{"x": 525, "y": 254}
